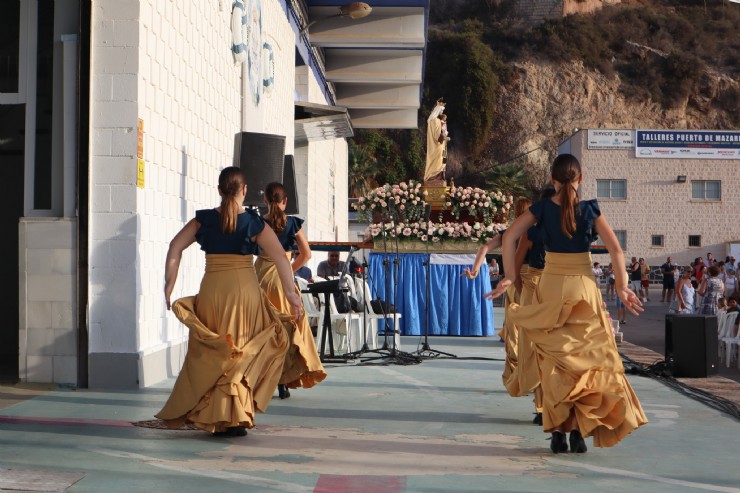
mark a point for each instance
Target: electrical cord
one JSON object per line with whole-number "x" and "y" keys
{"x": 661, "y": 371}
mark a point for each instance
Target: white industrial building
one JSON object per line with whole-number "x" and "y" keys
{"x": 665, "y": 192}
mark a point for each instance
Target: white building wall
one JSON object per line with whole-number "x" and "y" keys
{"x": 169, "y": 65}
{"x": 657, "y": 205}
{"x": 321, "y": 177}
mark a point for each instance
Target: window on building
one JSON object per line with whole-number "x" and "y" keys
{"x": 694, "y": 240}
{"x": 10, "y": 47}
{"x": 657, "y": 240}
{"x": 611, "y": 189}
{"x": 621, "y": 237}
{"x": 706, "y": 189}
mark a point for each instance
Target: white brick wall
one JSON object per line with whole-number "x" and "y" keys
{"x": 172, "y": 68}
{"x": 657, "y": 205}
{"x": 48, "y": 303}
{"x": 169, "y": 65}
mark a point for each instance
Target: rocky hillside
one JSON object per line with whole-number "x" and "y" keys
{"x": 543, "y": 103}
{"x": 515, "y": 90}
{"x": 638, "y": 64}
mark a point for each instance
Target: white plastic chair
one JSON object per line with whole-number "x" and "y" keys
{"x": 347, "y": 327}
{"x": 373, "y": 319}
{"x": 721, "y": 325}
{"x": 721, "y": 334}
{"x": 313, "y": 313}
{"x": 731, "y": 341}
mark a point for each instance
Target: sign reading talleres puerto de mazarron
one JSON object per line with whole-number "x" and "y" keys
{"x": 689, "y": 144}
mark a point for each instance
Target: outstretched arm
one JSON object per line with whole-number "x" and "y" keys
{"x": 269, "y": 243}
{"x": 179, "y": 243}
{"x": 480, "y": 256}
{"x": 518, "y": 228}
{"x": 629, "y": 298}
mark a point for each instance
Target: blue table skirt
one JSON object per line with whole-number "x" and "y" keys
{"x": 457, "y": 306}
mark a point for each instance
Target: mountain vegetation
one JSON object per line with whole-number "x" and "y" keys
{"x": 514, "y": 91}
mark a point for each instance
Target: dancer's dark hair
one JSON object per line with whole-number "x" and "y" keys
{"x": 566, "y": 170}
{"x": 230, "y": 182}
{"x": 521, "y": 205}
{"x": 274, "y": 196}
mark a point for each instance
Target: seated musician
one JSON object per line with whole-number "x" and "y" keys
{"x": 332, "y": 267}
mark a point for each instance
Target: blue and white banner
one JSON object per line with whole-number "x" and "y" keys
{"x": 687, "y": 144}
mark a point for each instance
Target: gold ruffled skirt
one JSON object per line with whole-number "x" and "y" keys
{"x": 236, "y": 349}
{"x": 302, "y": 366}
{"x": 581, "y": 371}
{"x": 510, "y": 334}
{"x": 528, "y": 369}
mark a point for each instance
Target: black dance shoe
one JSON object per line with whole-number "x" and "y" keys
{"x": 283, "y": 391}
{"x": 537, "y": 419}
{"x": 232, "y": 431}
{"x": 558, "y": 443}
{"x": 577, "y": 444}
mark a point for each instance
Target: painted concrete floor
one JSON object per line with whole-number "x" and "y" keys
{"x": 445, "y": 425}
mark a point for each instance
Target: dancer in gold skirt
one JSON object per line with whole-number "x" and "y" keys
{"x": 508, "y": 333}
{"x": 585, "y": 391}
{"x": 237, "y": 340}
{"x": 530, "y": 255}
{"x": 302, "y": 367}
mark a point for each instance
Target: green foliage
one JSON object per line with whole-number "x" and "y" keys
{"x": 362, "y": 169}
{"x": 397, "y": 155}
{"x": 460, "y": 68}
{"x": 510, "y": 179}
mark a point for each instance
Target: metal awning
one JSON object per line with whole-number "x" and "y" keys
{"x": 374, "y": 64}
{"x": 314, "y": 122}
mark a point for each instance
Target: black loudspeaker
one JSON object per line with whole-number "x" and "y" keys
{"x": 691, "y": 345}
{"x": 290, "y": 187}
{"x": 261, "y": 157}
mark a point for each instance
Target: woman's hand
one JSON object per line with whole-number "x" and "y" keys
{"x": 168, "y": 294}
{"x": 630, "y": 300}
{"x": 470, "y": 274}
{"x": 500, "y": 289}
{"x": 296, "y": 304}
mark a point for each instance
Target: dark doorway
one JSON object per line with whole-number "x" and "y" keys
{"x": 12, "y": 145}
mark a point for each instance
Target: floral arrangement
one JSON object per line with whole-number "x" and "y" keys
{"x": 435, "y": 231}
{"x": 481, "y": 204}
{"x": 397, "y": 211}
{"x": 406, "y": 199}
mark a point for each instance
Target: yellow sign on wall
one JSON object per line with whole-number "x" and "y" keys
{"x": 140, "y": 173}
{"x": 140, "y": 155}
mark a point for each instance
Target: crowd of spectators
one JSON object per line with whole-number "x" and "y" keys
{"x": 704, "y": 286}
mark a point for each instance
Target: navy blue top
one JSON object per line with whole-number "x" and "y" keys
{"x": 536, "y": 254}
{"x": 547, "y": 214}
{"x": 287, "y": 237}
{"x": 213, "y": 240}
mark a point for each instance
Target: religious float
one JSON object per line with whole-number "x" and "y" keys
{"x": 423, "y": 237}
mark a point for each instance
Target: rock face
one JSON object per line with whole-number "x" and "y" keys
{"x": 545, "y": 103}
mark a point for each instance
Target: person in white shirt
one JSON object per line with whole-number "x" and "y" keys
{"x": 598, "y": 273}
{"x": 731, "y": 283}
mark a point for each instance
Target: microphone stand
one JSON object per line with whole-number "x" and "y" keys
{"x": 394, "y": 354}
{"x": 426, "y": 351}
